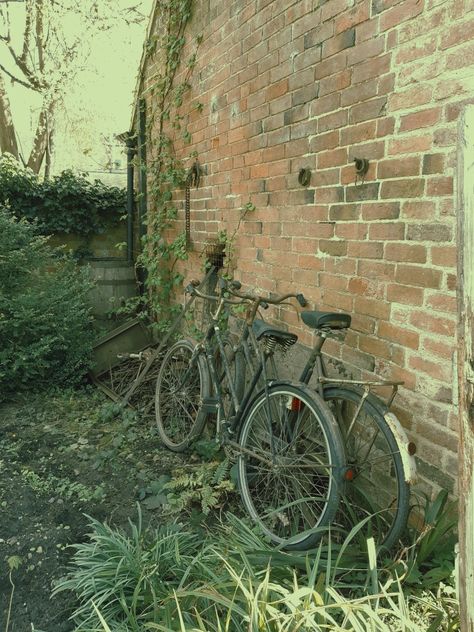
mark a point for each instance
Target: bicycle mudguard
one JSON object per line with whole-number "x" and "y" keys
{"x": 399, "y": 434}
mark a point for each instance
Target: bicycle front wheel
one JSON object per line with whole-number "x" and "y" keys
{"x": 290, "y": 465}
{"x": 182, "y": 385}
{"x": 375, "y": 487}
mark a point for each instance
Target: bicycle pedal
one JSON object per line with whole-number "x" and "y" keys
{"x": 210, "y": 404}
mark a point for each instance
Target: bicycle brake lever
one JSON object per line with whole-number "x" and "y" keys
{"x": 301, "y": 300}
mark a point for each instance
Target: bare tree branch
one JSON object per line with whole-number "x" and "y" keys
{"x": 16, "y": 79}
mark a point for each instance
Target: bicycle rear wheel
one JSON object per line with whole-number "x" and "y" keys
{"x": 290, "y": 466}
{"x": 182, "y": 386}
{"x": 375, "y": 489}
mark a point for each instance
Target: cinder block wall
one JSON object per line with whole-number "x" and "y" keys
{"x": 288, "y": 84}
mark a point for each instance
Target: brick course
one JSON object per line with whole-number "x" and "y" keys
{"x": 289, "y": 84}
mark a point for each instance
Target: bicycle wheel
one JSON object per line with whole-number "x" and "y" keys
{"x": 181, "y": 387}
{"x": 375, "y": 487}
{"x": 290, "y": 466}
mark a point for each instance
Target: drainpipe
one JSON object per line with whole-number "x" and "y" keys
{"x": 131, "y": 151}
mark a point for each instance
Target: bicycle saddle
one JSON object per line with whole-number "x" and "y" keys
{"x": 330, "y": 320}
{"x": 262, "y": 330}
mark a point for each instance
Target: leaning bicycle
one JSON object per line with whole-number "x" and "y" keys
{"x": 287, "y": 444}
{"x": 379, "y": 467}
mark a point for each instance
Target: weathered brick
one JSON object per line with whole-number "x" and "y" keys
{"x": 379, "y": 210}
{"x": 368, "y": 191}
{"x": 420, "y": 119}
{"x": 406, "y": 252}
{"x": 419, "y": 276}
{"x": 338, "y": 212}
{"x": 407, "y": 10}
{"x": 344, "y": 40}
{"x": 403, "y": 188}
{"x": 408, "y": 295}
{"x": 399, "y": 167}
{"x": 333, "y": 247}
{"x": 429, "y": 232}
{"x": 368, "y": 110}
{"x": 433, "y": 163}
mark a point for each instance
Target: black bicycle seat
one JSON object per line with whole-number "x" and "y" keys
{"x": 262, "y": 330}
{"x": 329, "y": 320}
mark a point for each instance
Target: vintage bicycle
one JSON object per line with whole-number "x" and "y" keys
{"x": 379, "y": 466}
{"x": 287, "y": 444}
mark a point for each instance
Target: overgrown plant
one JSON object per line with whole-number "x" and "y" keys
{"x": 66, "y": 203}
{"x": 233, "y": 581}
{"x": 166, "y": 173}
{"x": 45, "y": 323}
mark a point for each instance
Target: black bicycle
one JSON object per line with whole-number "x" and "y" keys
{"x": 379, "y": 467}
{"x": 287, "y": 444}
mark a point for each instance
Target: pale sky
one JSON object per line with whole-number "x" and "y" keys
{"x": 100, "y": 101}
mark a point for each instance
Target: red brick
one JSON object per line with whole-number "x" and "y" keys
{"x": 371, "y": 68}
{"x": 419, "y": 95}
{"x": 411, "y": 144}
{"x": 277, "y": 90}
{"x": 365, "y": 249}
{"x": 420, "y": 119}
{"x": 439, "y": 371}
{"x": 461, "y": 57}
{"x": 335, "y": 83}
{"x": 404, "y": 294}
{"x": 445, "y": 256}
{"x": 332, "y": 158}
{"x": 322, "y": 178}
{"x": 443, "y": 303}
{"x": 351, "y": 17}
{"x": 408, "y": 188}
{"x": 405, "y": 252}
{"x": 372, "y": 307}
{"x": 419, "y": 276}
{"x": 387, "y": 231}
{"x": 332, "y": 65}
{"x": 340, "y": 42}
{"x": 437, "y": 325}
{"x": 376, "y": 348}
{"x": 352, "y": 231}
{"x": 400, "y": 13}
{"x": 439, "y": 186}
{"x": 329, "y": 103}
{"x": 332, "y": 121}
{"x": 325, "y": 141}
{"x": 378, "y": 210}
{"x": 399, "y": 335}
{"x": 399, "y": 168}
{"x": 365, "y": 50}
{"x": 359, "y": 92}
{"x": 416, "y": 50}
{"x": 457, "y": 33}
{"x": 368, "y": 110}
{"x": 433, "y": 163}
{"x": 318, "y": 35}
{"x": 358, "y": 133}
{"x": 332, "y": 8}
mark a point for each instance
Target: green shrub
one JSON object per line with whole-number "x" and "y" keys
{"x": 67, "y": 203}
{"x": 45, "y": 326}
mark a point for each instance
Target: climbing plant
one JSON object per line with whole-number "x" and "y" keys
{"x": 165, "y": 171}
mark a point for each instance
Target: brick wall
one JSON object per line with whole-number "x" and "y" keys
{"x": 288, "y": 84}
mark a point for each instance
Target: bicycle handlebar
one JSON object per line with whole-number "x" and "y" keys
{"x": 233, "y": 286}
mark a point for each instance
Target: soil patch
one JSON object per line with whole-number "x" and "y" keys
{"x": 64, "y": 457}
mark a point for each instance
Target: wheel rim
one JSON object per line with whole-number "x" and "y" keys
{"x": 288, "y": 494}
{"x": 373, "y": 476}
{"x": 179, "y": 396}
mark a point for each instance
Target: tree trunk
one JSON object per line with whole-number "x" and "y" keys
{"x": 42, "y": 138}
{"x": 8, "y": 141}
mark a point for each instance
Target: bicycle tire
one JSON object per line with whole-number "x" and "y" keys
{"x": 378, "y": 488}
{"x": 296, "y": 497}
{"x": 179, "y": 411}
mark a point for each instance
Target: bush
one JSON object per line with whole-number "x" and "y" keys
{"x": 45, "y": 326}
{"x": 67, "y": 203}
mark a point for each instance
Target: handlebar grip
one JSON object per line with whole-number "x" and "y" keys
{"x": 235, "y": 285}
{"x": 264, "y": 305}
{"x": 195, "y": 283}
{"x": 301, "y": 300}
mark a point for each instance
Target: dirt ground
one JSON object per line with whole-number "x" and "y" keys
{"x": 64, "y": 457}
